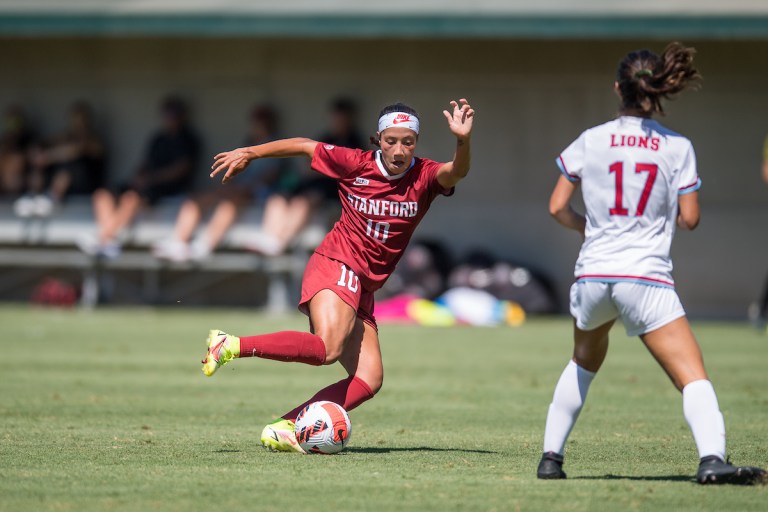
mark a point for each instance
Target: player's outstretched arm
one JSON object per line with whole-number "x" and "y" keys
{"x": 460, "y": 123}
{"x": 560, "y": 206}
{"x": 232, "y": 163}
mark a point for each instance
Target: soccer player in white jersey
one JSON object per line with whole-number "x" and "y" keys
{"x": 638, "y": 181}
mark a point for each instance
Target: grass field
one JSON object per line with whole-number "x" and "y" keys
{"x": 108, "y": 410}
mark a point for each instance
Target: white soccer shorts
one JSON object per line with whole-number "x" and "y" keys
{"x": 642, "y": 308}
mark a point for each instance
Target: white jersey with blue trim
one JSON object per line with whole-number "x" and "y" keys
{"x": 631, "y": 172}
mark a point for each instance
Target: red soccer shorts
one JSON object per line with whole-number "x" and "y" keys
{"x": 323, "y": 273}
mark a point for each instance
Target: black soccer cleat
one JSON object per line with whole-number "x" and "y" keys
{"x": 551, "y": 467}
{"x": 712, "y": 470}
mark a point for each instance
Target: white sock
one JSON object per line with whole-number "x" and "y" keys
{"x": 703, "y": 416}
{"x": 568, "y": 399}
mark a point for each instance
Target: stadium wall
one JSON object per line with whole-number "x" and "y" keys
{"x": 532, "y": 99}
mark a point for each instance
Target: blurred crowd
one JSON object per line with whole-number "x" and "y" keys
{"x": 39, "y": 173}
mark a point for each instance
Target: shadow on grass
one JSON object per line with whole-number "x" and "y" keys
{"x": 658, "y": 478}
{"x": 414, "y": 449}
{"x": 225, "y": 450}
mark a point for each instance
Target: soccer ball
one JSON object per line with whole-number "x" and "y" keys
{"x": 323, "y": 427}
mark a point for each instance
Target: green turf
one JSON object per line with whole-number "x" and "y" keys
{"x": 108, "y": 410}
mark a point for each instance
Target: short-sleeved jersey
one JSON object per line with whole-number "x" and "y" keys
{"x": 380, "y": 211}
{"x": 631, "y": 171}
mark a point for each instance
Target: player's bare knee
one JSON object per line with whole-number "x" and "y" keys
{"x": 334, "y": 343}
{"x": 332, "y": 354}
{"x": 334, "y": 348}
{"x": 591, "y": 364}
{"x": 376, "y": 383}
{"x": 374, "y": 378}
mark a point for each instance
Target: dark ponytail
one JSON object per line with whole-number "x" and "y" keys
{"x": 645, "y": 78}
{"x": 395, "y": 107}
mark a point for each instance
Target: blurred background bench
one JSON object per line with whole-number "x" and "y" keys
{"x": 35, "y": 248}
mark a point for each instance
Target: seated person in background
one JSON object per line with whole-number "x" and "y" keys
{"x": 285, "y": 215}
{"x": 72, "y": 163}
{"x": 167, "y": 170}
{"x": 15, "y": 143}
{"x": 263, "y": 177}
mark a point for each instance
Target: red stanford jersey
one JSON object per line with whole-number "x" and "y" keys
{"x": 380, "y": 211}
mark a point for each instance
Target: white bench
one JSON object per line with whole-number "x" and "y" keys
{"x": 51, "y": 243}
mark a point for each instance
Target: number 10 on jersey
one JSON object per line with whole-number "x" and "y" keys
{"x": 378, "y": 230}
{"x": 617, "y": 168}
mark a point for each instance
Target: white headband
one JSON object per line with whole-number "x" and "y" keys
{"x": 409, "y": 121}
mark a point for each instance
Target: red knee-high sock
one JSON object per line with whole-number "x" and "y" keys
{"x": 348, "y": 393}
{"x": 288, "y": 346}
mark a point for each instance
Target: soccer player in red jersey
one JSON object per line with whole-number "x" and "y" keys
{"x": 384, "y": 195}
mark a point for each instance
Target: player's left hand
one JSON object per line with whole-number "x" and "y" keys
{"x": 460, "y": 120}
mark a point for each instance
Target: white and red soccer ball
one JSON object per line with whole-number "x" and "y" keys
{"x": 323, "y": 427}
